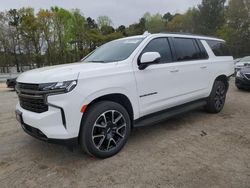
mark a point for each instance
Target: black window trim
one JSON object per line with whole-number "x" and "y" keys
{"x": 196, "y": 46}
{"x": 170, "y": 47}
{"x": 200, "y": 45}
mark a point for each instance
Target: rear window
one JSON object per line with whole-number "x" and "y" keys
{"x": 219, "y": 48}
{"x": 186, "y": 49}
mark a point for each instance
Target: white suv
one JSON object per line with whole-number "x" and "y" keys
{"x": 123, "y": 84}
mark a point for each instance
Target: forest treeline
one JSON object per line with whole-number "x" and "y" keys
{"x": 56, "y": 35}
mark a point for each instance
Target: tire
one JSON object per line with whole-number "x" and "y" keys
{"x": 105, "y": 129}
{"x": 239, "y": 87}
{"x": 217, "y": 98}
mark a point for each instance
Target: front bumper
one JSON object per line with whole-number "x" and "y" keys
{"x": 59, "y": 124}
{"x": 36, "y": 133}
{"x": 242, "y": 82}
{"x": 47, "y": 126}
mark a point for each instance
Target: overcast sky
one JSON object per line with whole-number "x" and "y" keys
{"x": 120, "y": 11}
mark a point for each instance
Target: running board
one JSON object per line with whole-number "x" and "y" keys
{"x": 166, "y": 114}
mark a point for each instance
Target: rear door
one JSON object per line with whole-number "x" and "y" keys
{"x": 193, "y": 68}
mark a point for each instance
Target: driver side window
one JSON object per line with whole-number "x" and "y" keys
{"x": 160, "y": 45}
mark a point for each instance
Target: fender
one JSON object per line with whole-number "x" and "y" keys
{"x": 114, "y": 90}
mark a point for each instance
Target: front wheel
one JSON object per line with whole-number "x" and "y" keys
{"x": 217, "y": 98}
{"x": 105, "y": 129}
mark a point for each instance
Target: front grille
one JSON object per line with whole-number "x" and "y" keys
{"x": 33, "y": 87}
{"x": 247, "y": 76}
{"x": 33, "y": 104}
{"x": 29, "y": 98}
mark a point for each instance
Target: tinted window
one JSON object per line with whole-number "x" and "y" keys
{"x": 160, "y": 45}
{"x": 186, "y": 49}
{"x": 219, "y": 48}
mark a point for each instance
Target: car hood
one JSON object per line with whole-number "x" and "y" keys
{"x": 245, "y": 70}
{"x": 58, "y": 73}
{"x": 240, "y": 64}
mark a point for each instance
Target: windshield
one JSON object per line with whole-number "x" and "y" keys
{"x": 245, "y": 59}
{"x": 117, "y": 50}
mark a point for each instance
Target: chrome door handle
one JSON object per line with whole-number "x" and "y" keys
{"x": 203, "y": 67}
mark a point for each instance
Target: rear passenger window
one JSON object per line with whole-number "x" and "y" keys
{"x": 186, "y": 49}
{"x": 160, "y": 45}
{"x": 219, "y": 48}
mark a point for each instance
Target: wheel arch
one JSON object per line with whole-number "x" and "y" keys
{"x": 119, "y": 98}
{"x": 224, "y": 79}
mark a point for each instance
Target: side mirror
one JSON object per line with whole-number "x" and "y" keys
{"x": 148, "y": 58}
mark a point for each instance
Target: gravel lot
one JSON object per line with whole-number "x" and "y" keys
{"x": 193, "y": 150}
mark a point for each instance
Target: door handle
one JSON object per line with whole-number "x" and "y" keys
{"x": 175, "y": 70}
{"x": 203, "y": 67}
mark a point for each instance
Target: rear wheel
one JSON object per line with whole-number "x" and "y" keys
{"x": 217, "y": 98}
{"x": 105, "y": 129}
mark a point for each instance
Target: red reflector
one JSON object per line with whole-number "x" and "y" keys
{"x": 83, "y": 108}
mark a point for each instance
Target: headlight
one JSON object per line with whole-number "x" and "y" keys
{"x": 239, "y": 75}
{"x": 58, "y": 87}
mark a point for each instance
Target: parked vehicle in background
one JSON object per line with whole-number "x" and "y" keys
{"x": 237, "y": 60}
{"x": 241, "y": 63}
{"x": 242, "y": 80}
{"x": 11, "y": 82}
{"x": 126, "y": 83}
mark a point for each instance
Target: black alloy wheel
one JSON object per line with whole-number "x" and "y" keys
{"x": 217, "y": 98}
{"x": 109, "y": 130}
{"x": 220, "y": 97}
{"x": 105, "y": 129}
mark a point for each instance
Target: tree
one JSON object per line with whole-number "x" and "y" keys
{"x": 31, "y": 31}
{"x": 154, "y": 23}
{"x": 104, "y": 21}
{"x": 236, "y": 30}
{"x": 177, "y": 23}
{"x": 78, "y": 35}
{"x": 167, "y": 17}
{"x": 105, "y": 30}
{"x": 210, "y": 16}
{"x": 122, "y": 29}
{"x": 91, "y": 24}
{"x": 14, "y": 21}
{"x": 62, "y": 19}
{"x": 137, "y": 28}
{"x": 45, "y": 17}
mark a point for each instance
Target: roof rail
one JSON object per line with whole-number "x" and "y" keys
{"x": 146, "y": 33}
{"x": 190, "y": 34}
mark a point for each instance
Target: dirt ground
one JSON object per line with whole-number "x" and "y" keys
{"x": 193, "y": 150}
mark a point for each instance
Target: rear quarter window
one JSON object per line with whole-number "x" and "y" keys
{"x": 219, "y": 48}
